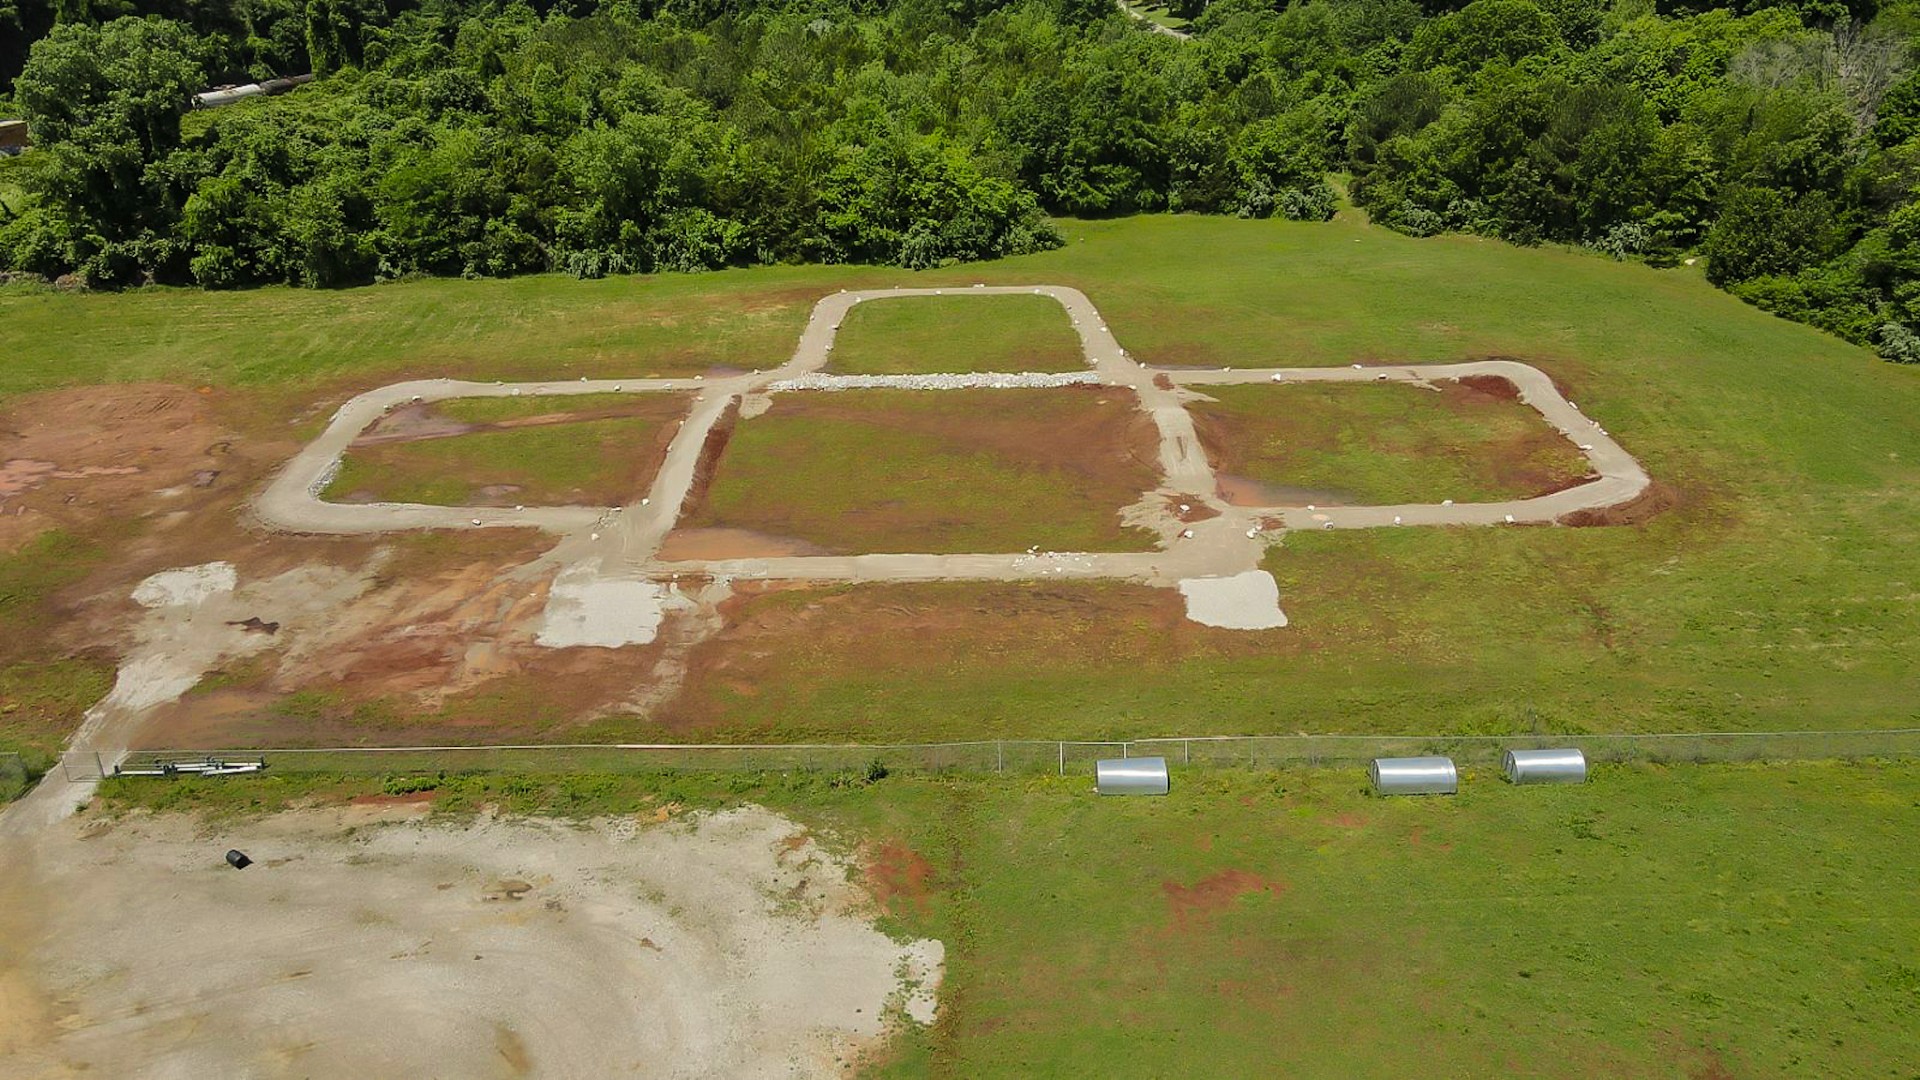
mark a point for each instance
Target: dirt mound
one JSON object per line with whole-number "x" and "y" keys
{"x": 1657, "y": 499}
{"x": 1193, "y": 905}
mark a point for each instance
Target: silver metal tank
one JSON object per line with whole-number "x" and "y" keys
{"x": 1414, "y": 776}
{"x": 1131, "y": 776}
{"x": 1544, "y": 766}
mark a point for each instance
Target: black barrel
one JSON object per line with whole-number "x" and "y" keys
{"x": 238, "y": 859}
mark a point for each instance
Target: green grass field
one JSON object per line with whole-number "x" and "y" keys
{"x": 1700, "y": 921}
{"x": 913, "y": 335}
{"x": 1779, "y": 592}
{"x": 1391, "y": 443}
{"x": 1696, "y": 921}
{"x": 952, "y": 471}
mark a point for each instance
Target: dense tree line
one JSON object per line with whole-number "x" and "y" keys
{"x": 1780, "y": 143}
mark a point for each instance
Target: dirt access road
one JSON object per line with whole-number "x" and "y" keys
{"x": 368, "y": 941}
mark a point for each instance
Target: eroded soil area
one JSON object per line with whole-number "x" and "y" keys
{"x": 69, "y": 458}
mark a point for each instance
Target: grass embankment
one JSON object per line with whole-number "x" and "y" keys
{"x": 1779, "y": 592}
{"x": 1658, "y": 922}
{"x": 952, "y": 471}
{"x": 922, "y": 334}
{"x": 596, "y": 450}
{"x": 42, "y": 694}
{"x": 1380, "y": 444}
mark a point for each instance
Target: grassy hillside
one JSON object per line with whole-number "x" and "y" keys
{"x": 1778, "y": 590}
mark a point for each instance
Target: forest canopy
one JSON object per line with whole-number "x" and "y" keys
{"x": 1780, "y": 143}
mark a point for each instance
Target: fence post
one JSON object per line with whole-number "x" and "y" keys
{"x": 1186, "y": 751}
{"x": 999, "y": 755}
{"x": 1063, "y": 759}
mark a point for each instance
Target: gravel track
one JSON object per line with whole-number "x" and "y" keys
{"x": 621, "y": 543}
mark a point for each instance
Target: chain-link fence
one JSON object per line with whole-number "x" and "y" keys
{"x": 1012, "y": 756}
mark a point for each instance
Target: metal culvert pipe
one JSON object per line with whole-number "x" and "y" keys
{"x": 1545, "y": 766}
{"x": 1414, "y": 776}
{"x": 1131, "y": 776}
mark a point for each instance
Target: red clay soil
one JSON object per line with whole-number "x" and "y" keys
{"x": 68, "y": 457}
{"x": 1193, "y": 906}
{"x": 1495, "y": 386}
{"x": 1196, "y": 510}
{"x": 718, "y": 436}
{"x": 1657, "y": 499}
{"x": 898, "y": 877}
{"x": 440, "y": 648}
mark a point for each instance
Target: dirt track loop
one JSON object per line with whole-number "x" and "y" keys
{"x": 624, "y": 542}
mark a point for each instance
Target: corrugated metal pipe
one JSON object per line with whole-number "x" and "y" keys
{"x": 1544, "y": 766}
{"x": 1131, "y": 776}
{"x": 1414, "y": 776}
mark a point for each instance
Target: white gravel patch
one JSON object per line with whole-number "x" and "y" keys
{"x": 983, "y": 380}
{"x": 1248, "y": 601}
{"x": 365, "y": 944}
{"x": 188, "y": 586}
{"x": 584, "y": 608}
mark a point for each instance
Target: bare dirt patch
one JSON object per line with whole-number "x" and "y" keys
{"x": 699, "y": 544}
{"x": 1657, "y": 499}
{"x": 70, "y": 457}
{"x": 1188, "y": 509}
{"x": 377, "y": 945}
{"x": 899, "y": 877}
{"x": 1240, "y": 491}
{"x": 1194, "y": 906}
{"x": 1492, "y": 386}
